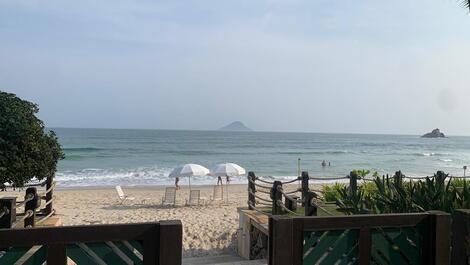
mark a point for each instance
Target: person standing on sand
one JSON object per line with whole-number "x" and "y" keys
{"x": 177, "y": 179}
{"x": 227, "y": 179}
{"x": 219, "y": 180}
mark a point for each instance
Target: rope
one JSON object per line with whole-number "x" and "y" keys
{"x": 257, "y": 197}
{"x": 264, "y": 181}
{"x": 45, "y": 217}
{"x": 371, "y": 180}
{"x": 256, "y": 209}
{"x": 321, "y": 208}
{"x": 49, "y": 201}
{"x": 28, "y": 198}
{"x": 331, "y": 178}
{"x": 290, "y": 181}
{"x": 4, "y": 212}
{"x": 258, "y": 185}
{"x": 263, "y": 191}
{"x": 294, "y": 191}
{"x": 279, "y": 203}
{"x": 264, "y": 204}
{"x": 48, "y": 190}
{"x": 262, "y": 186}
{"x": 28, "y": 214}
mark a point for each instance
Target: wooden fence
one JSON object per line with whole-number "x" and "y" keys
{"x": 30, "y": 211}
{"x": 421, "y": 238}
{"x": 148, "y": 243}
{"x": 461, "y": 237}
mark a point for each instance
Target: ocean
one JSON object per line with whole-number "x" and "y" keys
{"x": 107, "y": 157}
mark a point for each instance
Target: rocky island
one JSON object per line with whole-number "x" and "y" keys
{"x": 236, "y": 126}
{"x": 436, "y": 133}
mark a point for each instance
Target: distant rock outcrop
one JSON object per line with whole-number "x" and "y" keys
{"x": 436, "y": 133}
{"x": 236, "y": 126}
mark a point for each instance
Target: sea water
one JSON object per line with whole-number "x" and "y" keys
{"x": 105, "y": 157}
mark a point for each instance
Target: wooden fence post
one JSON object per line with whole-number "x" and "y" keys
{"x": 310, "y": 210}
{"x": 251, "y": 188}
{"x": 353, "y": 182}
{"x": 291, "y": 202}
{"x": 8, "y": 207}
{"x": 280, "y": 241}
{"x": 49, "y": 183}
{"x": 31, "y": 205}
{"x": 170, "y": 242}
{"x": 460, "y": 235}
{"x": 436, "y": 248}
{"x": 398, "y": 178}
{"x": 305, "y": 178}
{"x": 276, "y": 196}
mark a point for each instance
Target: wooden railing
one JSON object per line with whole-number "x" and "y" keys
{"x": 147, "y": 243}
{"x": 421, "y": 238}
{"x": 31, "y": 210}
{"x": 461, "y": 237}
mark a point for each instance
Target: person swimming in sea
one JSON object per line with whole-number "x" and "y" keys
{"x": 323, "y": 163}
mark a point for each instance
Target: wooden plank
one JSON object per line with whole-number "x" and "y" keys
{"x": 171, "y": 242}
{"x": 365, "y": 245}
{"x": 460, "y": 233}
{"x": 442, "y": 237}
{"x": 151, "y": 247}
{"x": 436, "y": 244}
{"x": 71, "y": 234}
{"x": 297, "y": 242}
{"x": 56, "y": 254}
{"x": 281, "y": 240}
{"x": 315, "y": 223}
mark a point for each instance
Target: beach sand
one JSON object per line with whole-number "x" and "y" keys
{"x": 207, "y": 230}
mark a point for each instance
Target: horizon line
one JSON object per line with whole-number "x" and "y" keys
{"x": 252, "y": 131}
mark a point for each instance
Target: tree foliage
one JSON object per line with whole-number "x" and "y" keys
{"x": 26, "y": 150}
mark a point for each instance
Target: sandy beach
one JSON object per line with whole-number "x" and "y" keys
{"x": 208, "y": 230}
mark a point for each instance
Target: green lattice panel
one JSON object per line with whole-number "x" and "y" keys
{"x": 330, "y": 247}
{"x": 396, "y": 246}
{"x": 133, "y": 251}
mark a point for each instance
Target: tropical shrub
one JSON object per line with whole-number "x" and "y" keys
{"x": 394, "y": 195}
{"x": 330, "y": 192}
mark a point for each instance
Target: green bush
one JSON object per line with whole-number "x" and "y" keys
{"x": 394, "y": 195}
{"x": 26, "y": 151}
{"x": 330, "y": 191}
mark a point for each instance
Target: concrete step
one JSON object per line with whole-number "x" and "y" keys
{"x": 222, "y": 260}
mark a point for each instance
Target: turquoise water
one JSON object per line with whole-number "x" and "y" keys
{"x": 145, "y": 157}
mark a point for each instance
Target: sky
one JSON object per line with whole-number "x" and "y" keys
{"x": 312, "y": 66}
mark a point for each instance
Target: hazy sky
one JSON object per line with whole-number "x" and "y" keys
{"x": 323, "y": 66}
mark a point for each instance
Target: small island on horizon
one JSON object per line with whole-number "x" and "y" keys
{"x": 236, "y": 126}
{"x": 436, "y": 133}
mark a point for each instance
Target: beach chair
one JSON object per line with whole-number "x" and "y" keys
{"x": 123, "y": 197}
{"x": 195, "y": 198}
{"x": 218, "y": 194}
{"x": 170, "y": 196}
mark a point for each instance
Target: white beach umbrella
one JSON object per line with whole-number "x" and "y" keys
{"x": 189, "y": 170}
{"x": 229, "y": 170}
